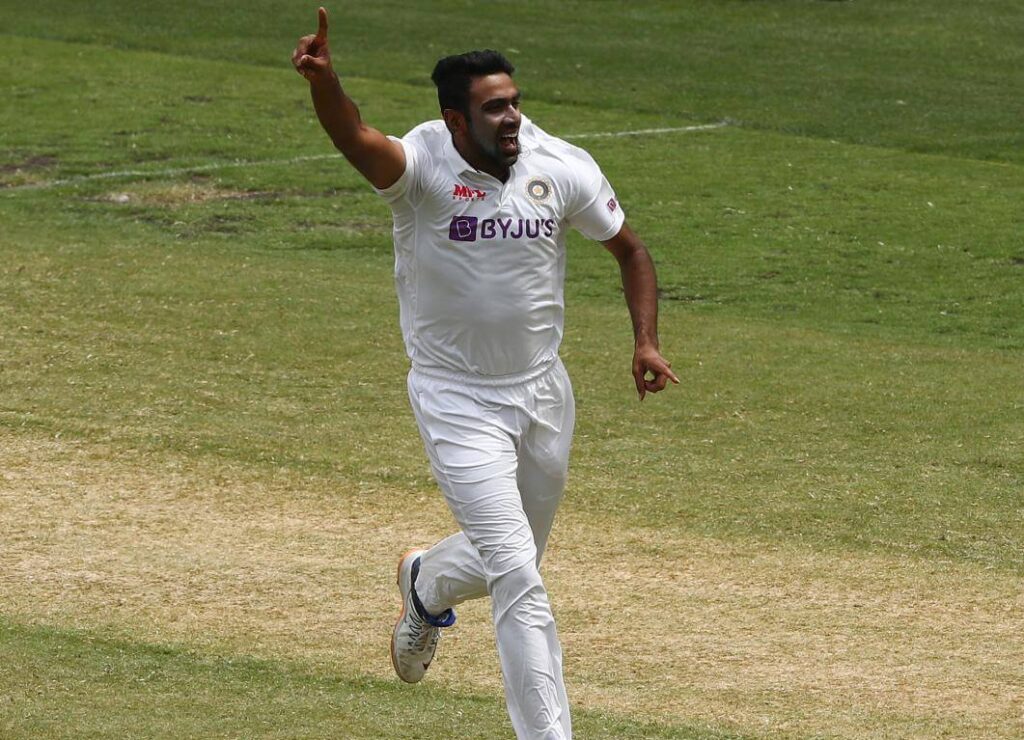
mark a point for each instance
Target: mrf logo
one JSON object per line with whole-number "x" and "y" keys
{"x": 464, "y": 192}
{"x": 470, "y": 228}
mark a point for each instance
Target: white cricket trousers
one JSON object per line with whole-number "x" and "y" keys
{"x": 500, "y": 453}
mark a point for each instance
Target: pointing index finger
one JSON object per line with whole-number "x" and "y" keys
{"x": 321, "y": 32}
{"x": 664, "y": 369}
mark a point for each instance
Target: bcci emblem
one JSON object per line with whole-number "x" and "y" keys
{"x": 538, "y": 189}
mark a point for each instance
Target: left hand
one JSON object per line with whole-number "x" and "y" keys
{"x": 648, "y": 360}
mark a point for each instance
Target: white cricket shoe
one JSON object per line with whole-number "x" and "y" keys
{"x": 416, "y": 633}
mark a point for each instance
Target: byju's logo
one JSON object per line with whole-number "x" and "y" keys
{"x": 463, "y": 229}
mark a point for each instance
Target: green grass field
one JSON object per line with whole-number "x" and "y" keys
{"x": 207, "y": 463}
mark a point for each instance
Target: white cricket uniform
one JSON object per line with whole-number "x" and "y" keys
{"x": 479, "y": 269}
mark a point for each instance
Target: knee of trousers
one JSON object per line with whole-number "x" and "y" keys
{"x": 520, "y": 593}
{"x": 501, "y": 533}
{"x": 505, "y": 550}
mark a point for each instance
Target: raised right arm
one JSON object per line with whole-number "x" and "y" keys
{"x": 378, "y": 158}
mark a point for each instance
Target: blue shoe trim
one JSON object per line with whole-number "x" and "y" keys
{"x": 444, "y": 619}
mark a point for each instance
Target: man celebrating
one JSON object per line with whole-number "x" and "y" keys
{"x": 481, "y": 202}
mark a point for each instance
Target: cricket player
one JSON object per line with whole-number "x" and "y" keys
{"x": 482, "y": 200}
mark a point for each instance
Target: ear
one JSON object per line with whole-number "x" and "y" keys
{"x": 454, "y": 120}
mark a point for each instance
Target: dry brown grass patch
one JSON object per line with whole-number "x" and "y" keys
{"x": 177, "y": 194}
{"x": 776, "y": 642}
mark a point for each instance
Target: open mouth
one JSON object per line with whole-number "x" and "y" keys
{"x": 509, "y": 142}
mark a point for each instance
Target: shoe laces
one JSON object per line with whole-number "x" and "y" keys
{"x": 422, "y": 635}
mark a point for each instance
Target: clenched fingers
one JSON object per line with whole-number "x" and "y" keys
{"x": 306, "y": 46}
{"x": 659, "y": 369}
{"x": 658, "y": 384}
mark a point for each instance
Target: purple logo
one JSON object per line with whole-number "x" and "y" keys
{"x": 463, "y": 229}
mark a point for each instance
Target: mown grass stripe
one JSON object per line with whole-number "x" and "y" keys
{"x": 213, "y": 166}
{"x": 97, "y": 686}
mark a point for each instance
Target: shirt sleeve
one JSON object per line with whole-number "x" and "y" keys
{"x": 597, "y": 213}
{"x": 404, "y": 186}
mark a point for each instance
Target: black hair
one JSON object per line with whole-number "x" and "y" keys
{"x": 453, "y": 75}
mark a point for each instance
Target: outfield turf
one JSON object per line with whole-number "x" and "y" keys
{"x": 207, "y": 463}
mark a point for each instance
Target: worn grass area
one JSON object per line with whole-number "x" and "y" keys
{"x": 781, "y": 640}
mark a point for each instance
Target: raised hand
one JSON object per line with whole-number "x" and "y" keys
{"x": 312, "y": 58}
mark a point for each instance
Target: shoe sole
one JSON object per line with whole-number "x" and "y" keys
{"x": 394, "y": 632}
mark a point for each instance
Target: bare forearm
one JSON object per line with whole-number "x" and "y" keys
{"x": 640, "y": 284}
{"x": 641, "y": 287}
{"x": 380, "y": 160}
{"x": 338, "y": 114}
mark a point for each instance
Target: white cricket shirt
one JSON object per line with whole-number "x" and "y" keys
{"x": 480, "y": 264}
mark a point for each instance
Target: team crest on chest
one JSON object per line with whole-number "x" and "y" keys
{"x": 538, "y": 189}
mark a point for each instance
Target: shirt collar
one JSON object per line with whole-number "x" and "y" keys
{"x": 454, "y": 159}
